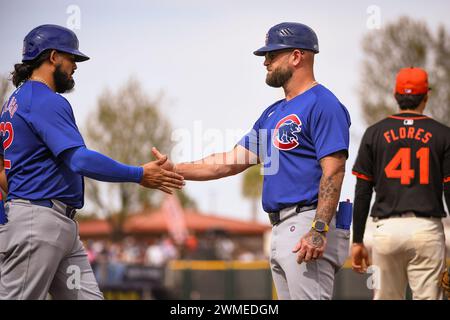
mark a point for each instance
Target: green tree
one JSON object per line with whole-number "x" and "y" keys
{"x": 401, "y": 44}
{"x": 125, "y": 126}
{"x": 252, "y": 188}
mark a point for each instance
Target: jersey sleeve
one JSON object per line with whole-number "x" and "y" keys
{"x": 330, "y": 123}
{"x": 251, "y": 140}
{"x": 447, "y": 159}
{"x": 54, "y": 122}
{"x": 97, "y": 166}
{"x": 363, "y": 167}
{"x": 2, "y": 151}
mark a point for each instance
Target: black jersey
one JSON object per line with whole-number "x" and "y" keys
{"x": 407, "y": 157}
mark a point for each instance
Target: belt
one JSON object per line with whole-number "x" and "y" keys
{"x": 279, "y": 216}
{"x": 405, "y": 215}
{"x": 68, "y": 211}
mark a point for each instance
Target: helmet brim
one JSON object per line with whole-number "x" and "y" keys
{"x": 79, "y": 56}
{"x": 274, "y": 47}
{"x": 261, "y": 52}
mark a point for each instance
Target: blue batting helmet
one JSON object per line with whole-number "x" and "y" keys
{"x": 49, "y": 36}
{"x": 289, "y": 35}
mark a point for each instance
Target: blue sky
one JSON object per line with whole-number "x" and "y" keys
{"x": 199, "y": 53}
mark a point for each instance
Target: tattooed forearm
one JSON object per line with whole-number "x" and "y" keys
{"x": 330, "y": 186}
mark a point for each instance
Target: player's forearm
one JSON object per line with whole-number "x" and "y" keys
{"x": 363, "y": 195}
{"x": 329, "y": 193}
{"x": 447, "y": 194}
{"x": 213, "y": 167}
{"x": 96, "y": 166}
{"x": 330, "y": 186}
{"x": 202, "y": 172}
{"x": 3, "y": 181}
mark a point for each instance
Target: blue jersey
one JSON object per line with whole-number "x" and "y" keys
{"x": 290, "y": 138}
{"x": 36, "y": 126}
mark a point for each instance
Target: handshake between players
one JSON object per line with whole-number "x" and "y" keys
{"x": 159, "y": 174}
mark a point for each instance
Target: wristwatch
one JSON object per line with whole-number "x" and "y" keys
{"x": 320, "y": 226}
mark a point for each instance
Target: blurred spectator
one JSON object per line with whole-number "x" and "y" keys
{"x": 90, "y": 253}
{"x": 246, "y": 256}
{"x": 154, "y": 255}
{"x": 224, "y": 248}
{"x": 169, "y": 250}
{"x": 131, "y": 252}
{"x": 191, "y": 243}
{"x": 206, "y": 249}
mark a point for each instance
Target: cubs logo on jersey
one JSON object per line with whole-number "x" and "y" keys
{"x": 285, "y": 136}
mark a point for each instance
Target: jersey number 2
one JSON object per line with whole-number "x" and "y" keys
{"x": 6, "y": 127}
{"x": 402, "y": 159}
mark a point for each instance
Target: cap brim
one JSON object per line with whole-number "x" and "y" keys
{"x": 262, "y": 51}
{"x": 80, "y": 57}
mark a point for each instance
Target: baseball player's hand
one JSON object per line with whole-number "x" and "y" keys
{"x": 310, "y": 247}
{"x": 168, "y": 165}
{"x": 360, "y": 258}
{"x": 156, "y": 177}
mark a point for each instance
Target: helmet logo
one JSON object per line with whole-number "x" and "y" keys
{"x": 286, "y": 32}
{"x": 267, "y": 39}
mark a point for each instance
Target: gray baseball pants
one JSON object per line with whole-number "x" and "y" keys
{"x": 41, "y": 253}
{"x": 312, "y": 280}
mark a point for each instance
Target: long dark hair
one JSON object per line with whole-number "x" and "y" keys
{"x": 23, "y": 71}
{"x": 409, "y": 101}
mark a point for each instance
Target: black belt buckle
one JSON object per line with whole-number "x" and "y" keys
{"x": 70, "y": 212}
{"x": 274, "y": 218}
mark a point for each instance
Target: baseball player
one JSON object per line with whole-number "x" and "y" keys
{"x": 406, "y": 158}
{"x": 302, "y": 141}
{"x": 45, "y": 159}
